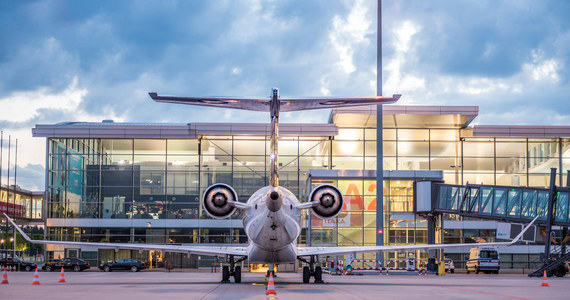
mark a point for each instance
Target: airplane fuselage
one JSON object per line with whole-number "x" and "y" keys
{"x": 272, "y": 226}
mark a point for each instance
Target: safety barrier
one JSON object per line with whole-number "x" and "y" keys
{"x": 411, "y": 266}
{"x": 421, "y": 266}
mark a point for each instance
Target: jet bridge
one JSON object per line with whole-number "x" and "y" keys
{"x": 514, "y": 205}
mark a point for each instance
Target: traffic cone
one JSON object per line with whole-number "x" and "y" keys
{"x": 544, "y": 279}
{"x": 36, "y": 278}
{"x": 5, "y": 277}
{"x": 61, "y": 276}
{"x": 270, "y": 286}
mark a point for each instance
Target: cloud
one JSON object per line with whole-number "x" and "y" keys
{"x": 88, "y": 61}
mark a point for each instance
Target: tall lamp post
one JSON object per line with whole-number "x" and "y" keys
{"x": 379, "y": 137}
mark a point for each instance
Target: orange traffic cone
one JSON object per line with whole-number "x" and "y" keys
{"x": 544, "y": 279}
{"x": 270, "y": 286}
{"x": 5, "y": 277}
{"x": 61, "y": 276}
{"x": 36, "y": 278}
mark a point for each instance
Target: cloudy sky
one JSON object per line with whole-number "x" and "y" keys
{"x": 94, "y": 60}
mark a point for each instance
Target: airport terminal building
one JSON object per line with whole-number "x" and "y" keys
{"x": 142, "y": 182}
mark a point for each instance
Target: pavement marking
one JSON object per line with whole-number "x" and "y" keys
{"x": 481, "y": 292}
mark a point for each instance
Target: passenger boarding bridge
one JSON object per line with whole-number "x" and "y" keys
{"x": 515, "y": 205}
{"x": 510, "y": 204}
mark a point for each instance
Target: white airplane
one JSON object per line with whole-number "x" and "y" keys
{"x": 272, "y": 215}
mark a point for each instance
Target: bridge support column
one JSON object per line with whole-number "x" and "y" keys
{"x": 431, "y": 232}
{"x": 550, "y": 213}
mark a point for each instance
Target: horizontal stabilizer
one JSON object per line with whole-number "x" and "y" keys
{"x": 291, "y": 104}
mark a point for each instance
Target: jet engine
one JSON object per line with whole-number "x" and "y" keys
{"x": 329, "y": 200}
{"x": 218, "y": 200}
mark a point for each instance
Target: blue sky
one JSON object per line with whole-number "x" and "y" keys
{"x": 94, "y": 60}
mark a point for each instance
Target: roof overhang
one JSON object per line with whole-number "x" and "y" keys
{"x": 405, "y": 116}
{"x": 185, "y": 131}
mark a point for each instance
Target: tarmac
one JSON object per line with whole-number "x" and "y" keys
{"x": 178, "y": 285}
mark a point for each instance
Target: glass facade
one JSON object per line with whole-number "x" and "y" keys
{"x": 163, "y": 179}
{"x": 19, "y": 203}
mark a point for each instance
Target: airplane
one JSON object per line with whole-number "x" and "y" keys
{"x": 272, "y": 215}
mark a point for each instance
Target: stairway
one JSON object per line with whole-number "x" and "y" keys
{"x": 551, "y": 266}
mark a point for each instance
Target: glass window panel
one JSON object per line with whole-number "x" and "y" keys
{"x": 511, "y": 149}
{"x": 413, "y": 163}
{"x": 350, "y": 134}
{"x": 114, "y": 151}
{"x": 370, "y": 163}
{"x": 216, "y": 147}
{"x": 348, "y": 163}
{"x": 353, "y": 148}
{"x": 388, "y": 134}
{"x": 356, "y": 219}
{"x": 478, "y": 164}
{"x": 257, "y": 163}
{"x": 150, "y": 162}
{"x": 370, "y": 203}
{"x": 182, "y": 163}
{"x": 217, "y": 160}
{"x": 370, "y": 188}
{"x": 446, "y": 163}
{"x": 511, "y": 179}
{"x": 445, "y": 148}
{"x": 314, "y": 148}
{"x": 370, "y": 148}
{"x": 444, "y": 135}
{"x": 539, "y": 180}
{"x": 389, "y": 163}
{"x": 314, "y": 162}
{"x": 480, "y": 178}
{"x": 253, "y": 147}
{"x": 350, "y": 187}
{"x": 413, "y": 149}
{"x": 478, "y": 149}
{"x": 182, "y": 147}
{"x": 413, "y": 134}
{"x": 451, "y": 177}
{"x": 350, "y": 236}
{"x": 389, "y": 148}
{"x": 370, "y": 219}
{"x": 544, "y": 149}
{"x": 369, "y": 236}
{"x": 144, "y": 146}
{"x": 370, "y": 134}
{"x": 286, "y": 147}
{"x": 511, "y": 165}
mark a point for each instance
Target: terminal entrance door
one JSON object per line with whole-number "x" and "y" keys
{"x": 260, "y": 268}
{"x": 155, "y": 259}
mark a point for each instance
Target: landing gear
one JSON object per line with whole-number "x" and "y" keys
{"x": 232, "y": 270}
{"x": 306, "y": 275}
{"x": 311, "y": 270}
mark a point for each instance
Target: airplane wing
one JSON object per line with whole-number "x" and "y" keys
{"x": 202, "y": 250}
{"x": 307, "y": 251}
{"x": 294, "y": 104}
{"x": 223, "y": 102}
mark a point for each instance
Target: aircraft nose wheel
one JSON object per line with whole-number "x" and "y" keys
{"x": 311, "y": 271}
{"x": 232, "y": 270}
{"x": 225, "y": 274}
{"x": 318, "y": 275}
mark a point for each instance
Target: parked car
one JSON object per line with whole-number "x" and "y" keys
{"x": 449, "y": 266}
{"x": 18, "y": 263}
{"x": 123, "y": 264}
{"x": 74, "y": 264}
{"x": 485, "y": 259}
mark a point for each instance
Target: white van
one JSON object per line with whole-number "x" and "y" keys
{"x": 485, "y": 259}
